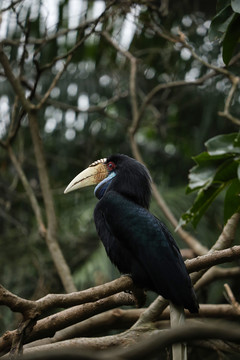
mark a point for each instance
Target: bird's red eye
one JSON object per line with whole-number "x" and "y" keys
{"x": 111, "y": 166}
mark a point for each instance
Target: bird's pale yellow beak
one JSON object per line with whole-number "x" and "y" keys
{"x": 93, "y": 175}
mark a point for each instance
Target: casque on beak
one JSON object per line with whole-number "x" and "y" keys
{"x": 94, "y": 174}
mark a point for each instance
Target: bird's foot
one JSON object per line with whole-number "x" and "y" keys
{"x": 139, "y": 295}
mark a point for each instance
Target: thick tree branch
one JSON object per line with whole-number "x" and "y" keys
{"x": 151, "y": 346}
{"x": 148, "y": 343}
{"x": 51, "y": 301}
{"x": 216, "y": 273}
{"x": 123, "y": 319}
{"x": 48, "y": 326}
{"x": 214, "y": 258}
{"x": 228, "y": 233}
{"x": 55, "y": 322}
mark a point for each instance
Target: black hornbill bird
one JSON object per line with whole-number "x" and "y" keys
{"x": 136, "y": 241}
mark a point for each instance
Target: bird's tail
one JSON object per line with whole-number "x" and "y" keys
{"x": 177, "y": 318}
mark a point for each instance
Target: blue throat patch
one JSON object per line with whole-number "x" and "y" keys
{"x": 103, "y": 185}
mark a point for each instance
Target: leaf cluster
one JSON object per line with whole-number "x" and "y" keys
{"x": 226, "y": 27}
{"x": 217, "y": 168}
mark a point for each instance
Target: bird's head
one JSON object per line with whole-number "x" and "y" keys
{"x": 119, "y": 173}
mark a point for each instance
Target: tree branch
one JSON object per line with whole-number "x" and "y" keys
{"x": 213, "y": 258}
{"x": 136, "y": 116}
{"x": 48, "y": 326}
{"x": 224, "y": 241}
{"x": 14, "y": 81}
{"x": 57, "y": 256}
{"x": 51, "y": 301}
{"x": 148, "y": 343}
{"x": 123, "y": 319}
{"x": 235, "y": 304}
{"x": 51, "y": 236}
{"x": 216, "y": 273}
{"x": 29, "y": 192}
{"x": 226, "y": 112}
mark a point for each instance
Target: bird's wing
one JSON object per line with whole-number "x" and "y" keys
{"x": 149, "y": 241}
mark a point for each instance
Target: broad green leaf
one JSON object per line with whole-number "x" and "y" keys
{"x": 231, "y": 38}
{"x": 224, "y": 144}
{"x": 205, "y": 158}
{"x": 226, "y": 171}
{"x": 232, "y": 200}
{"x": 213, "y": 182}
{"x": 201, "y": 203}
{"x": 220, "y": 22}
{"x": 235, "y": 5}
{"x": 211, "y": 169}
{"x": 215, "y": 169}
{"x": 201, "y": 176}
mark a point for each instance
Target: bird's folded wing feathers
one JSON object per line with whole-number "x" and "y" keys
{"x": 149, "y": 241}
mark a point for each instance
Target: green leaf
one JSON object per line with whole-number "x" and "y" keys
{"x": 235, "y": 5}
{"x": 205, "y": 158}
{"x": 232, "y": 200}
{"x": 226, "y": 171}
{"x": 224, "y": 144}
{"x": 220, "y": 22}
{"x": 211, "y": 169}
{"x": 231, "y": 38}
{"x": 200, "y": 176}
{"x": 215, "y": 169}
{"x": 211, "y": 182}
{"x": 201, "y": 203}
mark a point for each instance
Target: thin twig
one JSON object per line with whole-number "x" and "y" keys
{"x": 228, "y": 102}
{"x": 13, "y": 3}
{"x": 29, "y": 191}
{"x": 14, "y": 80}
{"x": 232, "y": 298}
{"x": 218, "y": 70}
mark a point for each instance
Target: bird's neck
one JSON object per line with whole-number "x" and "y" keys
{"x": 101, "y": 188}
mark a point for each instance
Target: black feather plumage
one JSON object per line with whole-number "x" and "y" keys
{"x": 136, "y": 241}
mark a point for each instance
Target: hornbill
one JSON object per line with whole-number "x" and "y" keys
{"x": 136, "y": 241}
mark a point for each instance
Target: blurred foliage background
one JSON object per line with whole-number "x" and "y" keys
{"x": 88, "y": 115}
